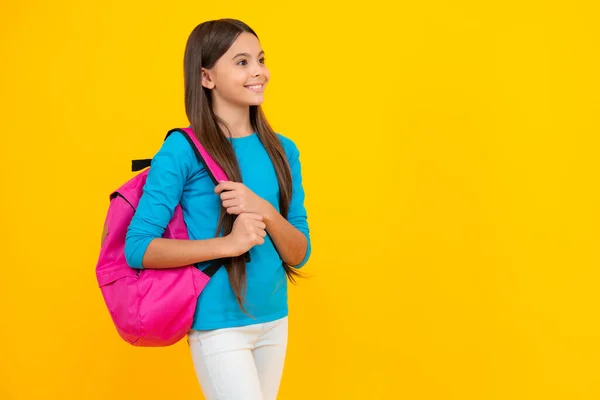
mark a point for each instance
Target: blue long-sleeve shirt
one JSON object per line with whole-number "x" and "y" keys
{"x": 176, "y": 176}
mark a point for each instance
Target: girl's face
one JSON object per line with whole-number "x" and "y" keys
{"x": 240, "y": 76}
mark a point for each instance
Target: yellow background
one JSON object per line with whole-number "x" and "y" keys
{"x": 450, "y": 157}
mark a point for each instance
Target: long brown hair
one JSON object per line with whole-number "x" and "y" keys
{"x": 205, "y": 45}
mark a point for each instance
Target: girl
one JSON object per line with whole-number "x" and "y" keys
{"x": 239, "y": 334}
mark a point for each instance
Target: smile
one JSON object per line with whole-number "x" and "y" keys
{"x": 255, "y": 88}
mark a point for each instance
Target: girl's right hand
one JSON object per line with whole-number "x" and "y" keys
{"x": 248, "y": 231}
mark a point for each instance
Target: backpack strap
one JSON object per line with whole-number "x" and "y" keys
{"x": 138, "y": 165}
{"x": 214, "y": 170}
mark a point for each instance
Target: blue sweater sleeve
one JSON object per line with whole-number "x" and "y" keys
{"x": 297, "y": 215}
{"x": 171, "y": 167}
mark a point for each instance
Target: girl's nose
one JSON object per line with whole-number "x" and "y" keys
{"x": 257, "y": 71}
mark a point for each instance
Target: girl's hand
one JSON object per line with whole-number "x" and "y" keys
{"x": 237, "y": 199}
{"x": 248, "y": 231}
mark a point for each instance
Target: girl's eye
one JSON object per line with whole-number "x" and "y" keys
{"x": 242, "y": 62}
{"x": 262, "y": 60}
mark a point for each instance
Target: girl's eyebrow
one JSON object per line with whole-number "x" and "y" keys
{"x": 247, "y": 55}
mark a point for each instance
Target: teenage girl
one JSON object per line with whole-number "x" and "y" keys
{"x": 239, "y": 334}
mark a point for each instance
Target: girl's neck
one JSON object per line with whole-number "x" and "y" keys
{"x": 237, "y": 119}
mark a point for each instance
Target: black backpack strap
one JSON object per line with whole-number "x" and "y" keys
{"x": 138, "y": 165}
{"x": 213, "y": 267}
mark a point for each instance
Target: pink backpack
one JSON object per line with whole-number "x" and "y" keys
{"x": 150, "y": 307}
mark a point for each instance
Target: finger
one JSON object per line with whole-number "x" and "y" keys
{"x": 260, "y": 225}
{"x": 258, "y": 239}
{"x": 228, "y": 195}
{"x": 262, "y": 233}
{"x": 225, "y": 185}
{"x": 234, "y": 211}
{"x": 230, "y": 203}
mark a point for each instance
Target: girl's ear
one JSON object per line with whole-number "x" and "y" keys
{"x": 207, "y": 81}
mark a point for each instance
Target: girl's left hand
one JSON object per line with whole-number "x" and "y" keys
{"x": 237, "y": 199}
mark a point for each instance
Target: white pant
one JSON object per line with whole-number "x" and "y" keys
{"x": 240, "y": 363}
